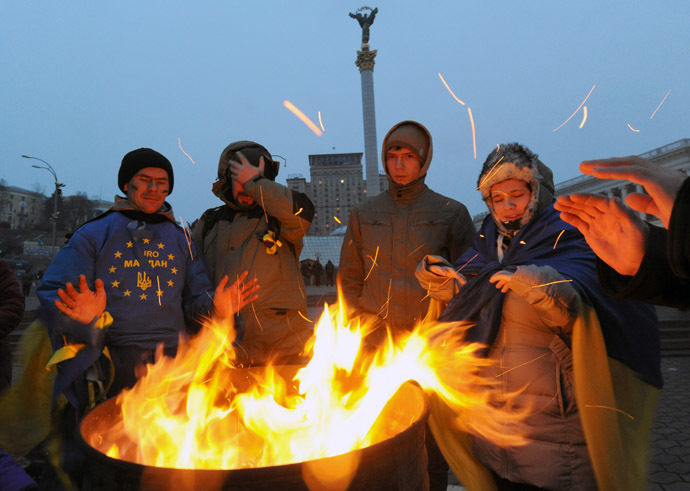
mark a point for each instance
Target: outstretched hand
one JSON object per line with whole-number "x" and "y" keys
{"x": 243, "y": 171}
{"x": 83, "y": 305}
{"x": 228, "y": 301}
{"x": 661, "y": 184}
{"x": 613, "y": 231}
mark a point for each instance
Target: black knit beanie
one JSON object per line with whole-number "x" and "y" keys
{"x": 139, "y": 159}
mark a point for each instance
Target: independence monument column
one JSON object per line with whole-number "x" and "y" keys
{"x": 365, "y": 63}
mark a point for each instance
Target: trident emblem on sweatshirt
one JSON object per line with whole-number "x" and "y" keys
{"x": 143, "y": 280}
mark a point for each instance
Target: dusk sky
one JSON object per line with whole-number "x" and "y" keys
{"x": 82, "y": 83}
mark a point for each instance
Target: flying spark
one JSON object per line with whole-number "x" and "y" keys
{"x": 261, "y": 192}
{"x": 187, "y": 237}
{"x": 491, "y": 172}
{"x": 321, "y": 122}
{"x": 451, "y": 92}
{"x": 299, "y": 211}
{"x": 474, "y": 136}
{"x": 636, "y": 131}
{"x": 303, "y": 317}
{"x": 159, "y": 292}
{"x": 423, "y": 244}
{"x": 612, "y": 409}
{"x": 576, "y": 110}
{"x": 584, "y": 116}
{"x": 558, "y": 238}
{"x": 303, "y": 117}
{"x": 388, "y": 300}
{"x": 261, "y": 328}
{"x": 662, "y": 101}
{"x": 336, "y": 219}
{"x": 460, "y": 269}
{"x": 179, "y": 144}
{"x": 551, "y": 283}
{"x": 373, "y": 263}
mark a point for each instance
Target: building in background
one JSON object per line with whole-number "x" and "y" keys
{"x": 335, "y": 187}
{"x": 20, "y": 208}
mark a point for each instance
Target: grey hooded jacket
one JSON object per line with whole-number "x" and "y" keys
{"x": 387, "y": 235}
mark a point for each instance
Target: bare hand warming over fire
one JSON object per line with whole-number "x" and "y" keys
{"x": 661, "y": 184}
{"x": 83, "y": 305}
{"x": 502, "y": 279}
{"x": 228, "y": 301}
{"x": 613, "y": 231}
{"x": 243, "y": 171}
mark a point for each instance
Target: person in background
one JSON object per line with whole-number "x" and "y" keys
{"x": 330, "y": 269}
{"x": 388, "y": 234}
{"x": 317, "y": 271}
{"x": 260, "y": 228}
{"x": 11, "y": 313}
{"x": 637, "y": 260}
{"x": 27, "y": 282}
{"x": 571, "y": 355}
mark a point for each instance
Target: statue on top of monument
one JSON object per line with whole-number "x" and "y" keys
{"x": 365, "y": 20}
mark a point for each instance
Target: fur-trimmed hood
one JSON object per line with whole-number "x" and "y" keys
{"x": 514, "y": 161}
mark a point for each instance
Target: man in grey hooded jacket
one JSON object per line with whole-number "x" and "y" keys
{"x": 389, "y": 234}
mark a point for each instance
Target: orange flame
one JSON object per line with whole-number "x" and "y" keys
{"x": 303, "y": 117}
{"x": 198, "y": 410}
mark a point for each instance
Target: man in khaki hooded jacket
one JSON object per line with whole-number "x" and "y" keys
{"x": 389, "y": 234}
{"x": 260, "y": 229}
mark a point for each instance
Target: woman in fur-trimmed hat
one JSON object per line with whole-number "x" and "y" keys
{"x": 585, "y": 366}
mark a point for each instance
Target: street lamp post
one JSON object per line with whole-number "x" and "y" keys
{"x": 58, "y": 185}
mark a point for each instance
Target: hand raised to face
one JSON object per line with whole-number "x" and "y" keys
{"x": 243, "y": 171}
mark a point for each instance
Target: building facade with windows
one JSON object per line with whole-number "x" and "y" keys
{"x": 336, "y": 186}
{"x": 20, "y": 208}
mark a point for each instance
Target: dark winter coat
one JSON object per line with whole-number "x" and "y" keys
{"x": 11, "y": 312}
{"x": 664, "y": 275}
